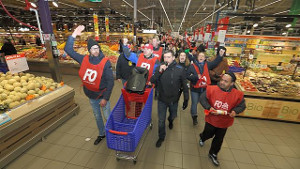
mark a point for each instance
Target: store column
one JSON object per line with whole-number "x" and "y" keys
{"x": 50, "y": 42}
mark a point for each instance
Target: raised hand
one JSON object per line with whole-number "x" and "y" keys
{"x": 78, "y": 31}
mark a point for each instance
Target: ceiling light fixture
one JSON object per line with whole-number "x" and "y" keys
{"x": 284, "y": 33}
{"x": 166, "y": 14}
{"x": 184, "y": 14}
{"x": 204, "y": 8}
{"x": 248, "y": 31}
{"x": 255, "y": 25}
{"x": 288, "y": 25}
{"x": 55, "y": 4}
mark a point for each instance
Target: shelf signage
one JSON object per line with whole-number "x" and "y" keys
{"x": 16, "y": 63}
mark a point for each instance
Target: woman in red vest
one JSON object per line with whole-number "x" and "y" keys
{"x": 96, "y": 76}
{"x": 198, "y": 75}
{"x": 221, "y": 102}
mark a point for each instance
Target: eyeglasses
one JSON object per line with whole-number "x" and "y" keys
{"x": 95, "y": 48}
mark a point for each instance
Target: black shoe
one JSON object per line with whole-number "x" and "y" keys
{"x": 171, "y": 125}
{"x": 159, "y": 142}
{"x": 195, "y": 121}
{"x": 99, "y": 138}
{"x": 214, "y": 159}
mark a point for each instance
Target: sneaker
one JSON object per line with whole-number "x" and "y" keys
{"x": 171, "y": 125}
{"x": 201, "y": 143}
{"x": 214, "y": 159}
{"x": 99, "y": 138}
{"x": 195, "y": 121}
{"x": 159, "y": 142}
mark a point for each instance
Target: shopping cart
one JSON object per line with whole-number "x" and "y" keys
{"x": 125, "y": 130}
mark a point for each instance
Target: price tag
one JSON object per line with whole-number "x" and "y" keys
{"x": 264, "y": 66}
{"x": 252, "y": 66}
{"x": 4, "y": 118}
{"x": 279, "y": 67}
{"x": 16, "y": 63}
{"x": 251, "y": 56}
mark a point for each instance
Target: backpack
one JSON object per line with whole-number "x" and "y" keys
{"x": 136, "y": 82}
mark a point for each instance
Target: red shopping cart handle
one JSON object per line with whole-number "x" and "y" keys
{"x": 118, "y": 132}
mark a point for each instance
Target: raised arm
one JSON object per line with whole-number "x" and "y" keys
{"x": 70, "y": 44}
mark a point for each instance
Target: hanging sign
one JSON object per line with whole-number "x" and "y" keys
{"x": 208, "y": 27}
{"x": 96, "y": 27}
{"x": 221, "y": 36}
{"x": 16, "y": 63}
{"x": 107, "y": 27}
{"x": 207, "y": 37}
{"x": 223, "y": 24}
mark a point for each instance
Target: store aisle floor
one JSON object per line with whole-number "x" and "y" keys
{"x": 249, "y": 143}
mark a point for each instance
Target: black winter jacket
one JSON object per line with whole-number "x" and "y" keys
{"x": 169, "y": 83}
{"x": 124, "y": 67}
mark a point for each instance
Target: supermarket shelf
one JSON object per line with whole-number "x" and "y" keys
{"x": 32, "y": 121}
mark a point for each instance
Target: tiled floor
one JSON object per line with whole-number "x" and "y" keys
{"x": 249, "y": 144}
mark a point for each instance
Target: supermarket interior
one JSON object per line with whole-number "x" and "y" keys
{"x": 123, "y": 84}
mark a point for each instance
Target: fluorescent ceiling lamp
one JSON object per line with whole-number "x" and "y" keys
{"x": 255, "y": 25}
{"x": 284, "y": 33}
{"x": 33, "y": 4}
{"x": 248, "y": 31}
{"x": 288, "y": 25}
{"x": 166, "y": 14}
{"x": 55, "y": 4}
{"x": 184, "y": 14}
{"x": 204, "y": 8}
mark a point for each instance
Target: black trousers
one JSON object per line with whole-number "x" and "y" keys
{"x": 218, "y": 134}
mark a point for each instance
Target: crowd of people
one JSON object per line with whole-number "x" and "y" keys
{"x": 175, "y": 67}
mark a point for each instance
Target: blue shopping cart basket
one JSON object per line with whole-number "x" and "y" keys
{"x": 124, "y": 134}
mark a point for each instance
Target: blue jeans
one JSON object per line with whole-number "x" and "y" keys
{"x": 162, "y": 112}
{"x": 195, "y": 100}
{"x": 95, "y": 103}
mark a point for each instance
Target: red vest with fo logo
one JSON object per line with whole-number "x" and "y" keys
{"x": 90, "y": 74}
{"x": 221, "y": 100}
{"x": 204, "y": 80}
{"x": 147, "y": 63}
{"x": 158, "y": 53}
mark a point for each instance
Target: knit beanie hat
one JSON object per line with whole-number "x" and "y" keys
{"x": 232, "y": 75}
{"x": 91, "y": 43}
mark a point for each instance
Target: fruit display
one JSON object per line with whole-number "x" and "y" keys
{"x": 34, "y": 53}
{"x": 247, "y": 85}
{"x": 269, "y": 83}
{"x": 18, "y": 88}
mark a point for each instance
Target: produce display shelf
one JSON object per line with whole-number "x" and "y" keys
{"x": 32, "y": 121}
{"x": 271, "y": 106}
{"x": 43, "y": 66}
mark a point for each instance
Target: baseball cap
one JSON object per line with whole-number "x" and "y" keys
{"x": 148, "y": 46}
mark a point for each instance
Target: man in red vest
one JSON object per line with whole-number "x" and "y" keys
{"x": 97, "y": 78}
{"x": 146, "y": 59}
{"x": 157, "y": 50}
{"x": 222, "y": 103}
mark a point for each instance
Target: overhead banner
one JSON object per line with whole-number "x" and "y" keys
{"x": 223, "y": 24}
{"x": 107, "y": 27}
{"x": 96, "y": 27}
{"x": 221, "y": 36}
{"x": 208, "y": 27}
